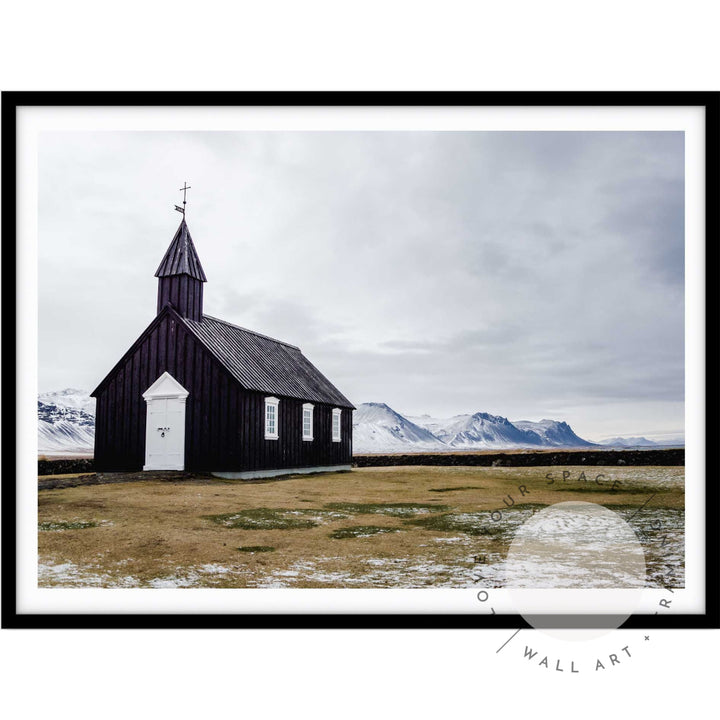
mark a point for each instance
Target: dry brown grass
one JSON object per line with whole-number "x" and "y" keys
{"x": 63, "y": 476}
{"x": 155, "y": 533}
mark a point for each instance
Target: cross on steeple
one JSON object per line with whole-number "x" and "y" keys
{"x": 184, "y": 189}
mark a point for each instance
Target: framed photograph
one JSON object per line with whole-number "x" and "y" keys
{"x": 357, "y": 360}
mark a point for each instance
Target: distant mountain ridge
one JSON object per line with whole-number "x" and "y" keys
{"x": 376, "y": 425}
{"x": 66, "y": 423}
{"x": 379, "y": 428}
{"x": 630, "y": 442}
{"x": 554, "y": 433}
{"x": 482, "y": 429}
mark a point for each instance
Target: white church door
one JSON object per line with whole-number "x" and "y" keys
{"x": 165, "y": 425}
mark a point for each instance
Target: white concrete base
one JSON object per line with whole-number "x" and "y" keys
{"x": 252, "y": 474}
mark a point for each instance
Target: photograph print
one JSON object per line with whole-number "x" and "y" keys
{"x": 360, "y": 357}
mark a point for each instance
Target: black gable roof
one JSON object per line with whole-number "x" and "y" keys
{"x": 261, "y": 363}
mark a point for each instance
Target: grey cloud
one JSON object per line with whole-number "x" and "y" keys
{"x": 517, "y": 273}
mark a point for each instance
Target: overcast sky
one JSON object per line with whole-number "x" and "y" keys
{"x": 530, "y": 274}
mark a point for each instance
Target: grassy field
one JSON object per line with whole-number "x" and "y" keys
{"x": 372, "y": 527}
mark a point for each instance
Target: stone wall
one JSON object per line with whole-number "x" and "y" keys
{"x": 674, "y": 456}
{"x": 65, "y": 466}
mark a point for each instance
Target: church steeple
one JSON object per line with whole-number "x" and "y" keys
{"x": 181, "y": 277}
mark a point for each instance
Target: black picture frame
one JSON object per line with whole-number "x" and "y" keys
{"x": 13, "y": 101}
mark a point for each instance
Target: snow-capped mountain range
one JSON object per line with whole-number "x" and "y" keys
{"x": 66, "y": 426}
{"x": 478, "y": 430}
{"x": 555, "y": 433}
{"x": 630, "y": 442}
{"x": 379, "y": 428}
{"x": 66, "y": 423}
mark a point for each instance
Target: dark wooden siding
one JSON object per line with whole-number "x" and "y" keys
{"x": 184, "y": 293}
{"x": 290, "y": 450}
{"x": 224, "y": 424}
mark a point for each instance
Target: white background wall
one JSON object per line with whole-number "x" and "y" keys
{"x": 349, "y": 46}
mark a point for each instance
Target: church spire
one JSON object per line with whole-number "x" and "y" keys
{"x": 181, "y": 277}
{"x": 181, "y": 256}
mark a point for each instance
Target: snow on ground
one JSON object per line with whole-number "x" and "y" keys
{"x": 190, "y": 577}
{"x": 376, "y": 572}
{"x": 68, "y": 574}
{"x": 586, "y": 551}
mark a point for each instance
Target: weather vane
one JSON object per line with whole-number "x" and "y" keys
{"x": 184, "y": 189}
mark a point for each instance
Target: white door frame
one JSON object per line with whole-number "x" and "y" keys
{"x": 166, "y": 388}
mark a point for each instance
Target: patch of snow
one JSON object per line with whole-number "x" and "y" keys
{"x": 71, "y": 575}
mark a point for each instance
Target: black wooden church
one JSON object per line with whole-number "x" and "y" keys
{"x": 198, "y": 393}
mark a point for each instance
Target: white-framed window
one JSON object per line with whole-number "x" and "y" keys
{"x": 272, "y": 409}
{"x": 336, "y": 413}
{"x": 307, "y": 421}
